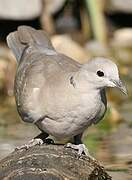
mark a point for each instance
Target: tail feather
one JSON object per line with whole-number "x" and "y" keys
{"x": 27, "y": 36}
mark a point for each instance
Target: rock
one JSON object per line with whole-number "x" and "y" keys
{"x": 123, "y": 37}
{"x": 50, "y": 162}
{"x": 7, "y": 70}
{"x": 119, "y": 6}
{"x": 96, "y": 49}
{"x": 20, "y": 10}
{"x": 64, "y": 44}
{"x": 122, "y": 45}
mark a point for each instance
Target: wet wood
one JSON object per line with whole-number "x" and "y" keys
{"x": 50, "y": 162}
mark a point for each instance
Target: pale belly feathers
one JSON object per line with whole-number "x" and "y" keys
{"x": 74, "y": 121}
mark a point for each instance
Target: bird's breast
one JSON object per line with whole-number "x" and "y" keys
{"x": 75, "y": 119}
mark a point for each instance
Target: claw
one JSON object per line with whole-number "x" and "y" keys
{"x": 31, "y": 143}
{"x": 81, "y": 149}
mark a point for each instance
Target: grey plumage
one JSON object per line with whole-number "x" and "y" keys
{"x": 61, "y": 96}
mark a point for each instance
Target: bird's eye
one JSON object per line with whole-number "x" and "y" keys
{"x": 100, "y": 73}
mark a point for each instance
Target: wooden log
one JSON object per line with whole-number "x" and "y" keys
{"x": 50, "y": 162}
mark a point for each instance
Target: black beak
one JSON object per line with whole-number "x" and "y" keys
{"x": 121, "y": 86}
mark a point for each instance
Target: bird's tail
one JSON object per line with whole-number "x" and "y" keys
{"x": 26, "y": 36}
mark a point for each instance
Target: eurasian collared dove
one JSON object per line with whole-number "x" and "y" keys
{"x": 59, "y": 95}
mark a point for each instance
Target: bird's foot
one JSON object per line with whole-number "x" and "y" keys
{"x": 81, "y": 149}
{"x": 34, "y": 142}
{"x": 31, "y": 143}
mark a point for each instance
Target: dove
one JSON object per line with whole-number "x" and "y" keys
{"x": 56, "y": 93}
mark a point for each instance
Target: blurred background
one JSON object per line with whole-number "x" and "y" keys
{"x": 80, "y": 29}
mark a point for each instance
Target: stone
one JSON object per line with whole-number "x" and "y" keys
{"x": 64, "y": 44}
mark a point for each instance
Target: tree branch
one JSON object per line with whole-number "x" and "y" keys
{"x": 50, "y": 162}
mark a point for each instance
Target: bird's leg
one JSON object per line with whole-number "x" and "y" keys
{"x": 38, "y": 140}
{"x": 43, "y": 136}
{"x": 78, "y": 145}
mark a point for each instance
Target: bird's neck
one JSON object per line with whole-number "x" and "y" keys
{"x": 84, "y": 85}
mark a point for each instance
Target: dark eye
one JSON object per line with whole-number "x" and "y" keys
{"x": 100, "y": 73}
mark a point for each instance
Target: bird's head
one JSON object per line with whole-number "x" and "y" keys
{"x": 102, "y": 73}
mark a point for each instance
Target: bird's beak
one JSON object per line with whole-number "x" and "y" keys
{"x": 121, "y": 86}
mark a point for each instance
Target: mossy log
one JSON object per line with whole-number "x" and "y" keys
{"x": 50, "y": 162}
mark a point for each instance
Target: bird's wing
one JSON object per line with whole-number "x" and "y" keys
{"x": 47, "y": 66}
{"x": 32, "y": 45}
{"x": 34, "y": 80}
{"x": 39, "y": 66}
